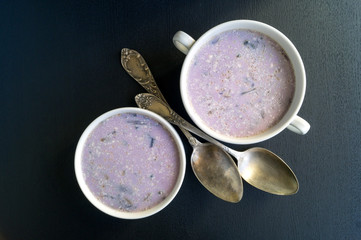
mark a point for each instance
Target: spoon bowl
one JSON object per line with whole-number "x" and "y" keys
{"x": 213, "y": 169}
{"x": 267, "y": 171}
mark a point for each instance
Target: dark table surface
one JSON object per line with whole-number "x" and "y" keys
{"x": 60, "y": 69}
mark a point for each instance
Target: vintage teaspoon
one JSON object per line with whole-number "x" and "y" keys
{"x": 258, "y": 166}
{"x": 214, "y": 169}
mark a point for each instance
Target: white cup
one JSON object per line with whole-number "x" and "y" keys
{"x": 118, "y": 213}
{"x": 290, "y": 120}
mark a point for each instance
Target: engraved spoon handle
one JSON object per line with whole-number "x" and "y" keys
{"x": 135, "y": 65}
{"x": 154, "y": 104}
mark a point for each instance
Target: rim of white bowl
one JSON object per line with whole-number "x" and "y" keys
{"x": 296, "y": 62}
{"x": 114, "y": 212}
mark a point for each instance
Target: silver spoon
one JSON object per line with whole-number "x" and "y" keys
{"x": 213, "y": 167}
{"x": 258, "y": 166}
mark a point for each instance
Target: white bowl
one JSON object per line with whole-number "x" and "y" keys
{"x": 118, "y": 213}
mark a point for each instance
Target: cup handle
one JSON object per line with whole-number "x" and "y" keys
{"x": 299, "y": 125}
{"x": 183, "y": 41}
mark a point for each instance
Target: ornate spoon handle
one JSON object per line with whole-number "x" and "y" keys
{"x": 138, "y": 69}
{"x": 135, "y": 65}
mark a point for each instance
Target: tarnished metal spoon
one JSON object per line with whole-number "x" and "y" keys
{"x": 258, "y": 166}
{"x": 213, "y": 167}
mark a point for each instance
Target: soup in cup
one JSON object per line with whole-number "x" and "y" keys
{"x": 242, "y": 82}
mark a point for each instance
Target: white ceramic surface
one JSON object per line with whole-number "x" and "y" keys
{"x": 117, "y": 213}
{"x": 291, "y": 120}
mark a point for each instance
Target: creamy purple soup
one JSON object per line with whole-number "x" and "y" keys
{"x": 240, "y": 83}
{"x": 130, "y": 162}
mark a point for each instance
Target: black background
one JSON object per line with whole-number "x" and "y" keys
{"x": 60, "y": 69}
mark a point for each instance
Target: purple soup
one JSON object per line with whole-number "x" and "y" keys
{"x": 240, "y": 83}
{"x": 130, "y": 162}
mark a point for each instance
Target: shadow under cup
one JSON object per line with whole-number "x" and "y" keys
{"x": 290, "y": 119}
